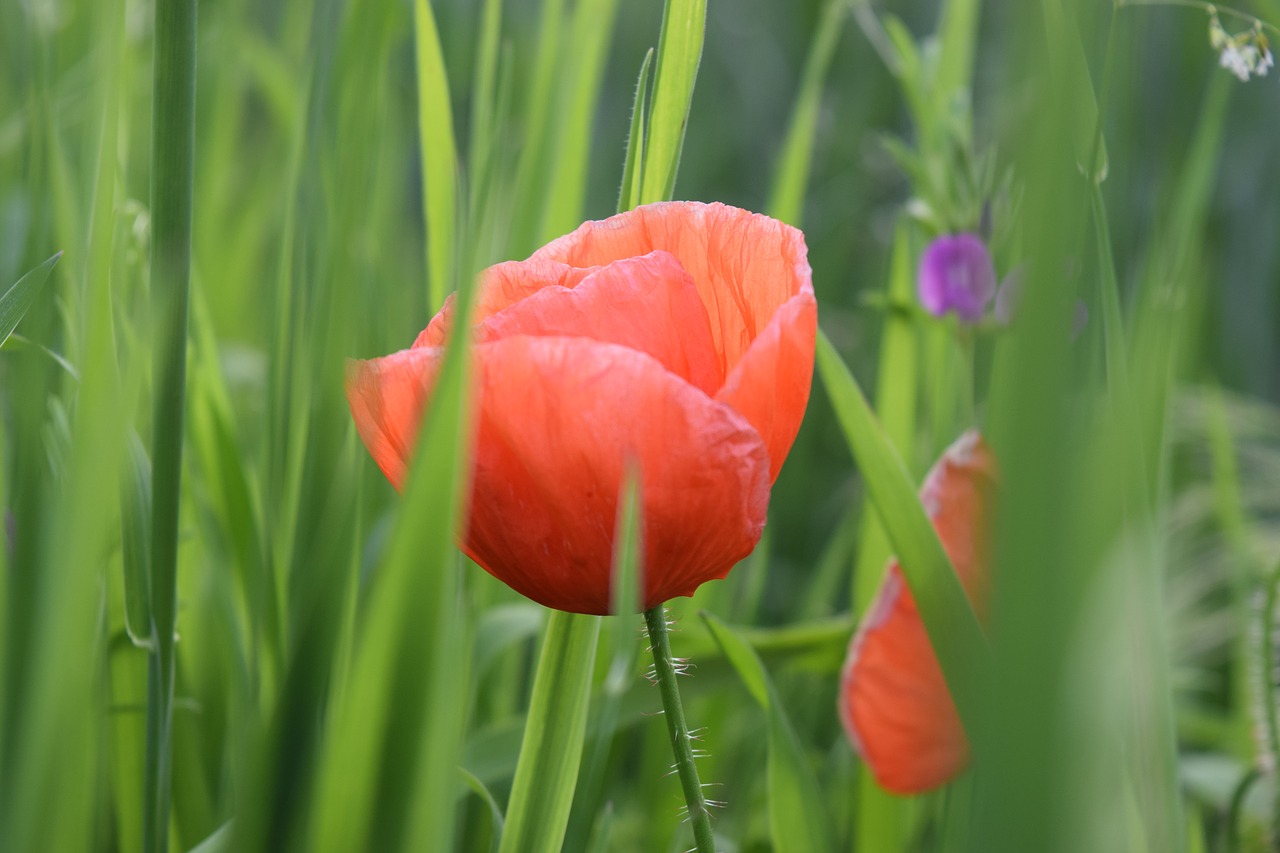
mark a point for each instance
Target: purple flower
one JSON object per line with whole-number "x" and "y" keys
{"x": 956, "y": 274}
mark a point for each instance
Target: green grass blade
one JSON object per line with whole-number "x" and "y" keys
{"x": 786, "y": 202}
{"x": 386, "y": 775}
{"x": 406, "y": 689}
{"x": 219, "y": 841}
{"x": 583, "y": 75}
{"x": 486, "y": 796}
{"x": 896, "y": 395}
{"x": 484, "y": 102}
{"x": 18, "y": 299}
{"x": 1234, "y": 523}
{"x": 223, "y": 469}
{"x": 1113, "y": 337}
{"x": 627, "y": 592}
{"x": 632, "y": 170}
{"x": 438, "y": 153}
{"x": 505, "y": 626}
{"x": 547, "y": 772}
{"x": 539, "y": 117}
{"x": 798, "y": 822}
{"x": 883, "y": 819}
{"x": 957, "y": 33}
{"x": 1067, "y": 59}
{"x": 949, "y": 620}
{"x": 679, "y": 54}
{"x": 172, "y": 178}
{"x": 135, "y": 544}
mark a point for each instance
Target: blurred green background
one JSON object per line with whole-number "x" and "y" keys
{"x": 308, "y": 248}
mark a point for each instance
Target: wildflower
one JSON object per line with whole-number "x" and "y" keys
{"x": 679, "y": 335}
{"x": 893, "y": 700}
{"x": 957, "y": 274}
{"x": 1244, "y": 54}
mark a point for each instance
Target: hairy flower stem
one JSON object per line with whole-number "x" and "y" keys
{"x": 665, "y": 674}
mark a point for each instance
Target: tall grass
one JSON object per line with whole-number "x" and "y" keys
{"x": 222, "y": 630}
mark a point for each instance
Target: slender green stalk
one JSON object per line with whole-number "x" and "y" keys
{"x": 551, "y": 752}
{"x": 679, "y": 54}
{"x": 173, "y": 144}
{"x": 1267, "y": 691}
{"x": 791, "y": 176}
{"x": 1203, "y": 6}
{"x": 665, "y": 674}
{"x": 1235, "y": 809}
{"x": 438, "y": 153}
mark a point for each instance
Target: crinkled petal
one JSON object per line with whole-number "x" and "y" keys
{"x": 746, "y": 265}
{"x": 387, "y": 396}
{"x": 894, "y": 702}
{"x": 499, "y": 287}
{"x": 559, "y": 420}
{"x": 770, "y": 385}
{"x": 647, "y": 303}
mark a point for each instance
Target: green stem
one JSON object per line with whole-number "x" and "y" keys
{"x": 172, "y": 147}
{"x": 1267, "y": 689}
{"x": 1236, "y": 808}
{"x": 1203, "y": 6}
{"x": 681, "y": 744}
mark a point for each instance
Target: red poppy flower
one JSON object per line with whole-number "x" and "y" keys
{"x": 678, "y": 335}
{"x": 893, "y": 700}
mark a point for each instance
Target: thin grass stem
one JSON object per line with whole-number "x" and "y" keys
{"x": 173, "y": 145}
{"x": 664, "y": 669}
{"x": 1235, "y": 809}
{"x": 1267, "y": 691}
{"x": 1207, "y": 8}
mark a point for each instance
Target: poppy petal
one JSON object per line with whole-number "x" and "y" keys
{"x": 648, "y": 303}
{"x": 894, "y": 701}
{"x": 770, "y": 385}
{"x": 559, "y": 419}
{"x": 387, "y": 396}
{"x": 746, "y": 265}
{"x": 499, "y": 287}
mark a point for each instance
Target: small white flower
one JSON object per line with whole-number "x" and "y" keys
{"x": 1245, "y": 55}
{"x": 1237, "y": 60}
{"x": 1267, "y": 62}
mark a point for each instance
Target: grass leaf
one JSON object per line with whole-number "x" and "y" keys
{"x": 438, "y": 153}
{"x": 798, "y": 823}
{"x": 951, "y": 624}
{"x": 791, "y": 178}
{"x": 547, "y": 772}
{"x": 18, "y": 299}
{"x": 679, "y": 54}
{"x": 582, "y": 77}
{"x": 136, "y": 545}
{"x": 632, "y": 171}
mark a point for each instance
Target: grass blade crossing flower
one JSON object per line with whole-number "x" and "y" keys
{"x": 894, "y": 701}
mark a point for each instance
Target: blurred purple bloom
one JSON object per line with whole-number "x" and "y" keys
{"x": 957, "y": 274}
